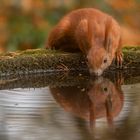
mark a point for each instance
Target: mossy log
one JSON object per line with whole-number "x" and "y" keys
{"x": 40, "y": 68}
{"x": 44, "y": 61}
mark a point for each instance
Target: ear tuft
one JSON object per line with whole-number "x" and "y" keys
{"x": 108, "y": 43}
{"x": 108, "y": 38}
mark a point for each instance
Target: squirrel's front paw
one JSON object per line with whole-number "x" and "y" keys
{"x": 119, "y": 59}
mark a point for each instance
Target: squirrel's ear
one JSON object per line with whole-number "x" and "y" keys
{"x": 108, "y": 36}
{"x": 108, "y": 40}
{"x": 112, "y": 35}
{"x": 108, "y": 43}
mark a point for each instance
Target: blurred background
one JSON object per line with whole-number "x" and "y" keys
{"x": 25, "y": 24}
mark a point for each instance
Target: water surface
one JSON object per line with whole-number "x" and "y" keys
{"x": 83, "y": 109}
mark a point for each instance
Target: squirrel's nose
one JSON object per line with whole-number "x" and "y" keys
{"x": 98, "y": 72}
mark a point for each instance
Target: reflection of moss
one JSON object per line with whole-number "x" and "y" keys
{"x": 42, "y": 60}
{"x": 59, "y": 79}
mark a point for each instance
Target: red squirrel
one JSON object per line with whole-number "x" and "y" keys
{"x": 91, "y": 31}
{"x": 100, "y": 98}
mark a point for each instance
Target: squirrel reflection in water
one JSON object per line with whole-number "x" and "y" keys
{"x": 99, "y": 98}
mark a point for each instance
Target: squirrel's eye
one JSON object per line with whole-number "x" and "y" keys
{"x": 105, "y": 89}
{"x": 105, "y": 60}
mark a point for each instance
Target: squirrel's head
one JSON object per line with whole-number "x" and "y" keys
{"x": 98, "y": 60}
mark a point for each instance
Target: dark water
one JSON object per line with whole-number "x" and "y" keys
{"x": 94, "y": 109}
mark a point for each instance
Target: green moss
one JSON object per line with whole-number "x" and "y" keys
{"x": 43, "y": 60}
{"x": 131, "y": 48}
{"x": 36, "y": 60}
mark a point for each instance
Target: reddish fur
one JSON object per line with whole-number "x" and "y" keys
{"x": 88, "y": 30}
{"x": 91, "y": 101}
